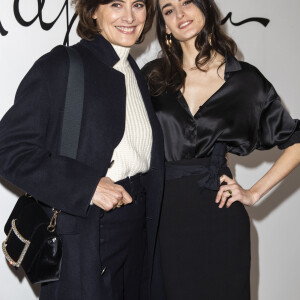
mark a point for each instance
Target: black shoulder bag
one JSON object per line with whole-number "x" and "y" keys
{"x": 32, "y": 241}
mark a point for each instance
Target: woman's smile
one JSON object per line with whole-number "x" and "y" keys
{"x": 126, "y": 29}
{"x": 184, "y": 24}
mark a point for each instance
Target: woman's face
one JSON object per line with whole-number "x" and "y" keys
{"x": 183, "y": 18}
{"x": 121, "y": 22}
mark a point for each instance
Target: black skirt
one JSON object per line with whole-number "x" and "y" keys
{"x": 205, "y": 250}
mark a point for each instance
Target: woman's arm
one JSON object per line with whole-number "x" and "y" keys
{"x": 26, "y": 161}
{"x": 285, "y": 164}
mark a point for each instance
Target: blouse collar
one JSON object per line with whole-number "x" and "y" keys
{"x": 231, "y": 65}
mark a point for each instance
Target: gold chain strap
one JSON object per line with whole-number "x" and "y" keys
{"x": 52, "y": 225}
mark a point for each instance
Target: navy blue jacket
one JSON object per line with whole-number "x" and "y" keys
{"x": 29, "y": 146}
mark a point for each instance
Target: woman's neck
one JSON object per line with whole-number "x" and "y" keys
{"x": 189, "y": 53}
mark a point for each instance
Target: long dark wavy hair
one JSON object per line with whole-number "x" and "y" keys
{"x": 169, "y": 73}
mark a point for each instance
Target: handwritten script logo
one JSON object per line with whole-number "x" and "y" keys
{"x": 65, "y": 7}
{"x": 39, "y": 16}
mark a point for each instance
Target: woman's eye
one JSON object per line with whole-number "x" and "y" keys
{"x": 139, "y": 5}
{"x": 167, "y": 12}
{"x": 116, "y": 4}
{"x": 187, "y": 2}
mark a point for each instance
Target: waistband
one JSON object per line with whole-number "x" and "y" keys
{"x": 207, "y": 168}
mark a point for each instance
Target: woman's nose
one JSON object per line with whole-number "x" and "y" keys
{"x": 128, "y": 16}
{"x": 179, "y": 13}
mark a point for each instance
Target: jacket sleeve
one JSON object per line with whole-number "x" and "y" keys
{"x": 25, "y": 161}
{"x": 276, "y": 126}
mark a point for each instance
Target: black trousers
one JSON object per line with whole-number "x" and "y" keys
{"x": 205, "y": 250}
{"x": 123, "y": 245}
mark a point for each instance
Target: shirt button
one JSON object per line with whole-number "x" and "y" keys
{"x": 111, "y": 163}
{"x": 103, "y": 270}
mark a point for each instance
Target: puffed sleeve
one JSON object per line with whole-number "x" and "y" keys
{"x": 25, "y": 161}
{"x": 276, "y": 126}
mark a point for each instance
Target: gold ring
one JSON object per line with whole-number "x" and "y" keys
{"x": 120, "y": 204}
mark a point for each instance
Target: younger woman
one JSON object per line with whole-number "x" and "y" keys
{"x": 208, "y": 103}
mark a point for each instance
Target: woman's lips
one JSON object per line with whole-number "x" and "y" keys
{"x": 126, "y": 29}
{"x": 184, "y": 24}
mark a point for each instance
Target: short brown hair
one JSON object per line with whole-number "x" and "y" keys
{"x": 87, "y": 28}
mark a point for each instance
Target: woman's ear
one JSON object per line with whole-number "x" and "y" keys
{"x": 94, "y": 15}
{"x": 168, "y": 31}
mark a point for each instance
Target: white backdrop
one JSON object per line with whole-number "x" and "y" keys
{"x": 273, "y": 49}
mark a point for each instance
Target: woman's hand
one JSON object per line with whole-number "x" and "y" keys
{"x": 234, "y": 192}
{"x": 109, "y": 195}
{"x": 285, "y": 164}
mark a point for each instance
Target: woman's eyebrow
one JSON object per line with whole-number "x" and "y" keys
{"x": 123, "y": 1}
{"x": 166, "y": 5}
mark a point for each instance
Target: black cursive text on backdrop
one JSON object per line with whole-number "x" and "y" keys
{"x": 69, "y": 24}
{"x": 39, "y": 16}
{"x": 262, "y": 21}
{"x": 2, "y": 30}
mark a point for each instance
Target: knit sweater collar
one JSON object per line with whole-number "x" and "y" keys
{"x": 123, "y": 53}
{"x": 105, "y": 51}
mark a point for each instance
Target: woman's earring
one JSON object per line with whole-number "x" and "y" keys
{"x": 209, "y": 39}
{"x": 169, "y": 41}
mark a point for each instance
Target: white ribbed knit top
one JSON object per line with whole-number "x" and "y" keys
{"x": 133, "y": 153}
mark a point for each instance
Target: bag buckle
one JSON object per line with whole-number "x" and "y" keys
{"x": 22, "y": 239}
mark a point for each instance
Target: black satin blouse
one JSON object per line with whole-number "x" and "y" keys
{"x": 245, "y": 113}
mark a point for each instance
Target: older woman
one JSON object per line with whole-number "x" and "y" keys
{"x": 208, "y": 103}
{"x": 115, "y": 184}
